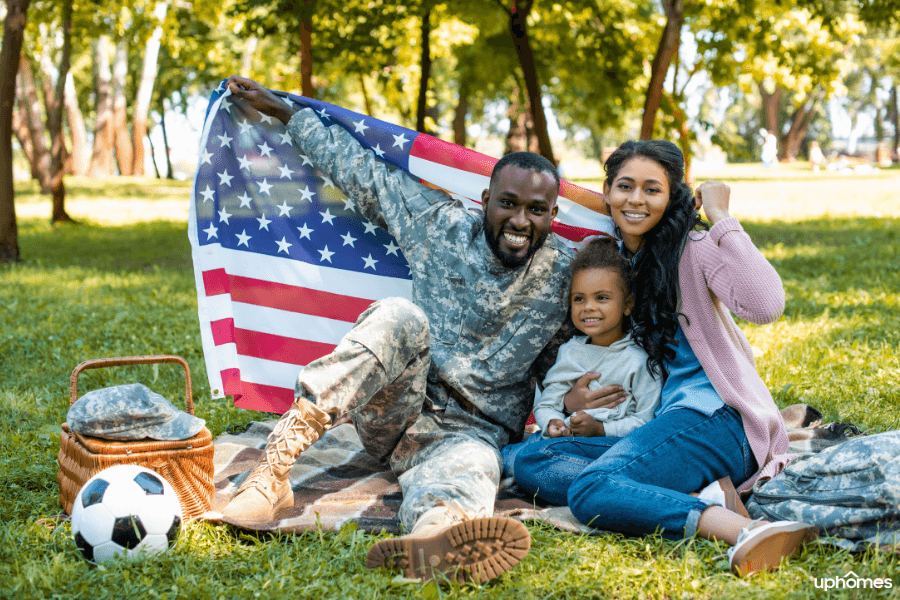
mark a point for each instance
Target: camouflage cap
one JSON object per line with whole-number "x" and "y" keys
{"x": 130, "y": 412}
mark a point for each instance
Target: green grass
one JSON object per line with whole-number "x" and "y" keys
{"x": 91, "y": 291}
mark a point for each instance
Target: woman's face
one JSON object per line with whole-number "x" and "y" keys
{"x": 637, "y": 199}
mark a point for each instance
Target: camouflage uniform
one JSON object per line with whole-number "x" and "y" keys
{"x": 437, "y": 385}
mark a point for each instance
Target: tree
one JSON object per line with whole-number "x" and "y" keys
{"x": 54, "y": 121}
{"x": 669, "y": 43}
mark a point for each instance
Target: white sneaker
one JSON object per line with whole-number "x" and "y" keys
{"x": 763, "y": 547}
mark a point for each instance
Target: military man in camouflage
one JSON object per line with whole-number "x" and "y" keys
{"x": 437, "y": 385}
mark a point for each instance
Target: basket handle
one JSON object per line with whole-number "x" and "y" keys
{"x": 99, "y": 363}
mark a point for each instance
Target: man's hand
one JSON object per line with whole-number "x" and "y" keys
{"x": 582, "y": 398}
{"x": 714, "y": 196}
{"x": 584, "y": 425}
{"x": 260, "y": 98}
{"x": 557, "y": 428}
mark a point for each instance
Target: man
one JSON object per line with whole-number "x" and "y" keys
{"x": 438, "y": 385}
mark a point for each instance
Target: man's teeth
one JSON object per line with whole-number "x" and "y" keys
{"x": 515, "y": 239}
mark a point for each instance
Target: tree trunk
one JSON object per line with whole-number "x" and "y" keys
{"x": 33, "y": 113}
{"x": 153, "y": 157}
{"x": 145, "y": 92}
{"x": 20, "y": 129}
{"x": 459, "y": 116}
{"x": 50, "y": 99}
{"x": 521, "y": 136}
{"x": 518, "y": 27}
{"x": 365, "y": 93}
{"x": 13, "y": 34}
{"x": 124, "y": 151}
{"x": 306, "y": 57}
{"x": 668, "y": 46}
{"x": 55, "y": 122}
{"x": 425, "y": 68}
{"x": 76, "y": 129}
{"x": 247, "y": 56}
{"x": 799, "y": 123}
{"x": 894, "y": 103}
{"x": 104, "y": 136}
{"x": 162, "y": 123}
{"x": 770, "y": 105}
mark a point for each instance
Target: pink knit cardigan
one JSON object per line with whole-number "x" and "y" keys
{"x": 721, "y": 271}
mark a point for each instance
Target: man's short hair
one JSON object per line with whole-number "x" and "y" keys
{"x": 528, "y": 161}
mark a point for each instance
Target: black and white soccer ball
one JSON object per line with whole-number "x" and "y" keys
{"x": 125, "y": 511}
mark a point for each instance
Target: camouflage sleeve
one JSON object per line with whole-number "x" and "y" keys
{"x": 547, "y": 358}
{"x": 387, "y": 197}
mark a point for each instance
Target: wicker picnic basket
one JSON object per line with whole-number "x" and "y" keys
{"x": 186, "y": 464}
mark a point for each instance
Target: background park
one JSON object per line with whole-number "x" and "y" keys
{"x": 93, "y": 228}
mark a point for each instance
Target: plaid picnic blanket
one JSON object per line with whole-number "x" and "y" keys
{"x": 336, "y": 482}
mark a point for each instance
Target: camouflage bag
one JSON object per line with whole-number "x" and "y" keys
{"x": 849, "y": 491}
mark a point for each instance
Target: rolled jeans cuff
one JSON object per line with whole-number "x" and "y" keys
{"x": 693, "y": 519}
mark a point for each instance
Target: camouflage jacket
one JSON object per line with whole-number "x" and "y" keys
{"x": 494, "y": 330}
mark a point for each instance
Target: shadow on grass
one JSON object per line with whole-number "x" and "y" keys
{"x": 77, "y": 188}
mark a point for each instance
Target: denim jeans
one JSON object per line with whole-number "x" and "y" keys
{"x": 638, "y": 484}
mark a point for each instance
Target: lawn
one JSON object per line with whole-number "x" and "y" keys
{"x": 121, "y": 283}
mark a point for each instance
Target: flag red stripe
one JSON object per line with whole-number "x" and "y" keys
{"x": 451, "y": 155}
{"x": 284, "y": 297}
{"x": 571, "y": 232}
{"x": 222, "y": 331}
{"x": 266, "y": 398}
{"x": 279, "y": 348}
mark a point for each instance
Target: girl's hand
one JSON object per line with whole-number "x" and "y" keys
{"x": 714, "y": 195}
{"x": 260, "y": 98}
{"x": 582, "y": 398}
{"x": 584, "y": 425}
{"x": 557, "y": 428}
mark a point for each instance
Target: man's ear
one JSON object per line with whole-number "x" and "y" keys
{"x": 484, "y": 198}
{"x": 555, "y": 208}
{"x": 629, "y": 304}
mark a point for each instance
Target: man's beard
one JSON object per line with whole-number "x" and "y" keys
{"x": 508, "y": 261}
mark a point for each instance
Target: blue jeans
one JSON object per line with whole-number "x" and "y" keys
{"x": 638, "y": 484}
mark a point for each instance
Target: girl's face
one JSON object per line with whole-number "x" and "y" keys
{"x": 599, "y": 303}
{"x": 637, "y": 199}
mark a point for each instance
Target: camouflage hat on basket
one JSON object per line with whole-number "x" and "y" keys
{"x": 130, "y": 412}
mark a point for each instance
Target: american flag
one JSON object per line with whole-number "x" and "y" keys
{"x": 284, "y": 263}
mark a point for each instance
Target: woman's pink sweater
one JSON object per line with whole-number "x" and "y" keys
{"x": 721, "y": 271}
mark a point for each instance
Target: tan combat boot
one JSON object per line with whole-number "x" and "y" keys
{"x": 267, "y": 488}
{"x": 446, "y": 544}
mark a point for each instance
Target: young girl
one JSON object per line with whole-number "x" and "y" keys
{"x": 716, "y": 418}
{"x": 600, "y": 300}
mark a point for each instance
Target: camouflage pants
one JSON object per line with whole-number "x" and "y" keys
{"x": 439, "y": 447}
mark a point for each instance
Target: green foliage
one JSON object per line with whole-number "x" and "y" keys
{"x": 88, "y": 292}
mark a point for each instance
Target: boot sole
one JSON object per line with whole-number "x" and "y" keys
{"x": 766, "y": 554}
{"x": 477, "y": 550}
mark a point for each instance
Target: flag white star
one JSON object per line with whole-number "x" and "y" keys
{"x": 370, "y": 228}
{"x": 245, "y": 126}
{"x": 263, "y": 222}
{"x": 221, "y": 87}
{"x": 307, "y": 194}
{"x": 226, "y": 105}
{"x": 287, "y": 101}
{"x": 360, "y": 126}
{"x": 224, "y": 140}
{"x": 399, "y": 140}
{"x": 305, "y": 160}
{"x": 349, "y": 205}
{"x": 370, "y": 262}
{"x": 392, "y": 248}
{"x": 284, "y": 210}
{"x": 266, "y": 119}
{"x": 224, "y": 216}
{"x": 327, "y": 217}
{"x": 323, "y": 114}
{"x": 378, "y": 151}
{"x": 326, "y": 255}
{"x": 245, "y": 162}
{"x": 348, "y": 239}
{"x": 243, "y": 238}
{"x": 285, "y": 171}
{"x": 305, "y": 231}
{"x": 211, "y": 232}
{"x": 285, "y": 137}
{"x": 245, "y": 200}
{"x": 225, "y": 178}
{"x": 264, "y": 187}
{"x": 326, "y": 181}
{"x": 207, "y": 194}
{"x": 283, "y": 245}
{"x": 204, "y": 158}
{"x": 264, "y": 149}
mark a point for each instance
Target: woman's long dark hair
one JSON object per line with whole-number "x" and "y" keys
{"x": 654, "y": 318}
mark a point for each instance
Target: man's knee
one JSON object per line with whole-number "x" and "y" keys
{"x": 406, "y": 323}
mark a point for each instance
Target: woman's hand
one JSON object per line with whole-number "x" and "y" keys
{"x": 584, "y": 425}
{"x": 582, "y": 398}
{"x": 260, "y": 98}
{"x": 713, "y": 196}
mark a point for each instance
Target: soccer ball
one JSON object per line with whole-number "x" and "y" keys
{"x": 124, "y": 511}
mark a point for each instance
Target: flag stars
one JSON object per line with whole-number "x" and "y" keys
{"x": 224, "y": 140}
{"x": 370, "y": 228}
{"x": 327, "y": 217}
{"x": 264, "y": 187}
{"x": 285, "y": 137}
{"x": 204, "y": 158}
{"x": 348, "y": 239}
{"x": 287, "y": 101}
{"x": 283, "y": 245}
{"x": 378, "y": 151}
{"x": 263, "y": 222}
{"x": 264, "y": 149}
{"x": 399, "y": 141}
{"x": 304, "y": 232}
{"x": 226, "y": 105}
{"x": 392, "y": 248}
{"x": 267, "y": 119}
{"x": 284, "y": 210}
{"x": 349, "y": 205}
{"x": 360, "y": 126}
{"x": 224, "y": 215}
{"x": 245, "y": 126}
{"x": 243, "y": 238}
{"x": 225, "y": 178}
{"x": 245, "y": 163}
{"x": 207, "y": 194}
{"x": 305, "y": 160}
{"x": 326, "y": 254}
{"x": 370, "y": 262}
{"x": 245, "y": 200}
{"x": 306, "y": 193}
{"x": 211, "y": 232}
{"x": 285, "y": 171}
{"x": 323, "y": 114}
{"x": 327, "y": 182}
